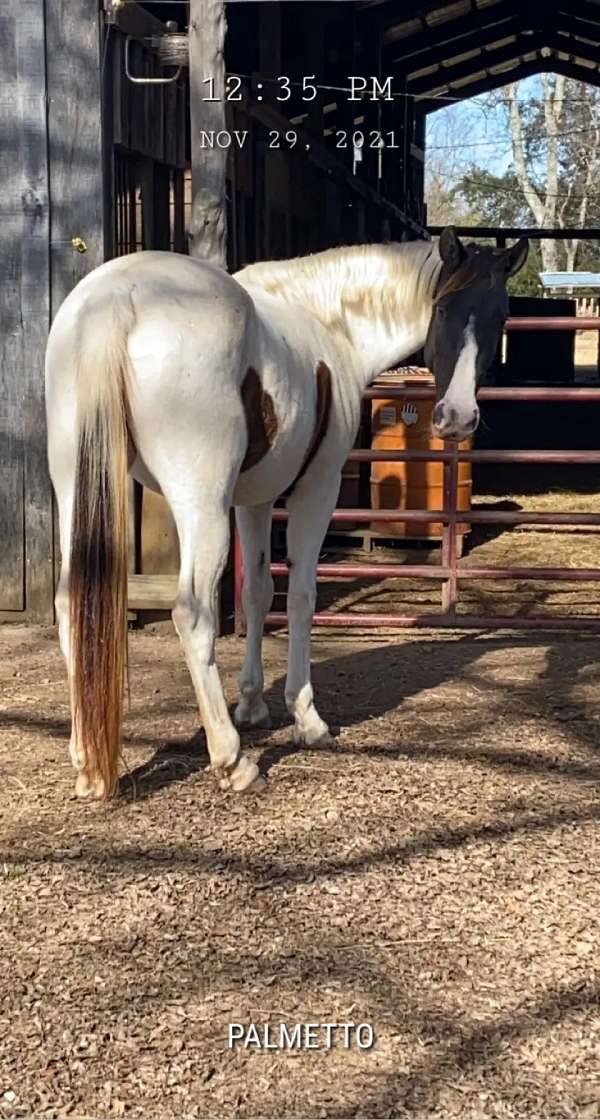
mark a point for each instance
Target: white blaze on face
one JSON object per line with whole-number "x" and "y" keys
{"x": 460, "y": 394}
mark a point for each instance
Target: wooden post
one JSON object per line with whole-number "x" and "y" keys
{"x": 25, "y": 503}
{"x": 207, "y": 112}
{"x": 35, "y": 312}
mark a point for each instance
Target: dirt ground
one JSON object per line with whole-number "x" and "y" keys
{"x": 433, "y": 873}
{"x": 586, "y": 353}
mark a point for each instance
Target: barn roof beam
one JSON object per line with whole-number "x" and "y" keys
{"x": 566, "y": 22}
{"x": 571, "y": 69}
{"x": 445, "y": 77}
{"x": 484, "y": 85}
{"x": 475, "y": 41}
{"x": 587, "y": 11}
{"x": 481, "y": 20}
{"x": 412, "y": 7}
{"x": 566, "y": 44}
{"x": 395, "y": 12}
{"x": 548, "y": 65}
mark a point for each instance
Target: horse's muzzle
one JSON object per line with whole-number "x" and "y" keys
{"x": 448, "y": 422}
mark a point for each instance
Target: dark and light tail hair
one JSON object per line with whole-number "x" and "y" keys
{"x": 98, "y": 561}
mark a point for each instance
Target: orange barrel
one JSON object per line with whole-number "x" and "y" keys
{"x": 398, "y": 424}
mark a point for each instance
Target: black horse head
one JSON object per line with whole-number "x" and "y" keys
{"x": 470, "y": 307}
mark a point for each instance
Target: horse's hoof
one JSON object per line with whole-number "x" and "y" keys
{"x": 84, "y": 788}
{"x": 316, "y": 737}
{"x": 244, "y": 778}
{"x": 259, "y": 785}
{"x": 326, "y": 740}
{"x": 246, "y": 719}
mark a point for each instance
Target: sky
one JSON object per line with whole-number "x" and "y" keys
{"x": 473, "y": 132}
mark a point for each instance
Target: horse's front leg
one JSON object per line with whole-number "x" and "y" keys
{"x": 254, "y": 527}
{"x": 310, "y": 508}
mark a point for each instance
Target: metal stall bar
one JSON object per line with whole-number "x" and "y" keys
{"x": 448, "y": 572}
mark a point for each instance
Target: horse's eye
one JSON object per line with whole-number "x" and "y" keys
{"x": 441, "y": 311}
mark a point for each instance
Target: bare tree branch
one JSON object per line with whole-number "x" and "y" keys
{"x": 591, "y": 154}
{"x": 553, "y": 102}
{"x": 518, "y": 151}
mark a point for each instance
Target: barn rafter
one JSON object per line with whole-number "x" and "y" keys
{"x": 459, "y": 48}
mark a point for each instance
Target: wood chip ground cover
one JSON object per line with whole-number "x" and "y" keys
{"x": 433, "y": 873}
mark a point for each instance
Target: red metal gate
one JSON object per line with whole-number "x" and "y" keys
{"x": 449, "y": 572}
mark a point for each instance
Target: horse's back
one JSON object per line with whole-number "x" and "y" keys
{"x": 155, "y": 267}
{"x": 184, "y": 327}
{"x": 179, "y": 312}
{"x": 158, "y": 284}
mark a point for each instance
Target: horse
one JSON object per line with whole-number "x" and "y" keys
{"x": 221, "y": 390}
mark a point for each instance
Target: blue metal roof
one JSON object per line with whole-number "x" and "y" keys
{"x": 570, "y": 279}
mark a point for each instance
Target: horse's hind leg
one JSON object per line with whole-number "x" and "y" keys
{"x": 310, "y": 508}
{"x": 254, "y": 526}
{"x": 203, "y": 528}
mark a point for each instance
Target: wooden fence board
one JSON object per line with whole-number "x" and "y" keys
{"x": 151, "y": 592}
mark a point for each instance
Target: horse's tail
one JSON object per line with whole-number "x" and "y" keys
{"x": 98, "y": 562}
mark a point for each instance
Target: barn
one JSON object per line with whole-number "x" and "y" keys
{"x": 112, "y": 128}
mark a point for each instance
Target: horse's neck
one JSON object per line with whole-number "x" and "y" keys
{"x": 388, "y": 319}
{"x": 378, "y": 298}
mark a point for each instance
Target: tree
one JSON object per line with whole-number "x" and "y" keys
{"x": 556, "y": 155}
{"x": 553, "y": 136}
{"x": 494, "y": 200}
{"x": 497, "y": 200}
{"x": 444, "y": 166}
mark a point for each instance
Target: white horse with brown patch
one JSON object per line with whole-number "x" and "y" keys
{"x": 217, "y": 391}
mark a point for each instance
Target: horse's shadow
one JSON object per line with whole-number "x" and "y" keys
{"x": 174, "y": 761}
{"x": 397, "y": 672}
{"x": 177, "y": 760}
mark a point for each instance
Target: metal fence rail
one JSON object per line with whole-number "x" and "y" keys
{"x": 449, "y": 572}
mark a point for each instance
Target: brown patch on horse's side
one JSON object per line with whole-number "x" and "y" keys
{"x": 261, "y": 420}
{"x": 324, "y": 396}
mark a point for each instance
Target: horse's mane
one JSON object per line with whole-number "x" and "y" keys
{"x": 359, "y": 280}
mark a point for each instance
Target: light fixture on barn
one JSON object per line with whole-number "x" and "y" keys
{"x": 171, "y": 48}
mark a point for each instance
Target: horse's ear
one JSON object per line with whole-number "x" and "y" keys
{"x": 514, "y": 258}
{"x": 451, "y": 248}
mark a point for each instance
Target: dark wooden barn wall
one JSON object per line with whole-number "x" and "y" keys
{"x": 332, "y": 41}
{"x": 50, "y": 169}
{"x": 25, "y": 508}
{"x": 74, "y": 137}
